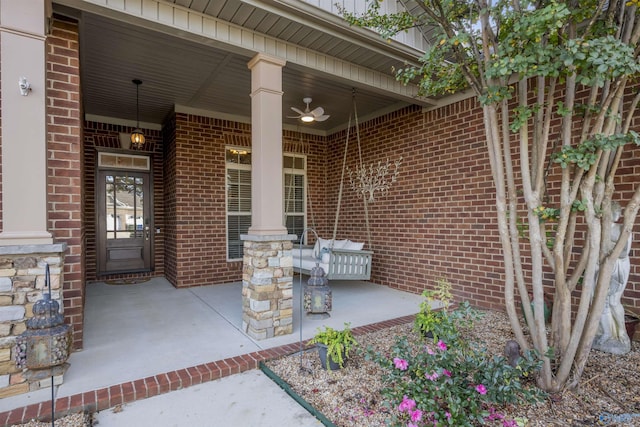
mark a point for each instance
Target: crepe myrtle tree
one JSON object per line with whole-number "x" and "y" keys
{"x": 557, "y": 85}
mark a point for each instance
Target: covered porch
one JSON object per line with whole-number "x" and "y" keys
{"x": 141, "y": 335}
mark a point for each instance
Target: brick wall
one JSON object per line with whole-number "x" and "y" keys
{"x": 105, "y": 137}
{"x": 438, "y": 219}
{"x": 196, "y": 165}
{"x": 195, "y": 194}
{"x": 64, "y": 164}
{"x": 170, "y": 203}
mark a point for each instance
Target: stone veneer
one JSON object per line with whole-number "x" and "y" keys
{"x": 22, "y": 283}
{"x": 267, "y": 286}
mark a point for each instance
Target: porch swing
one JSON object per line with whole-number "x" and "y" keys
{"x": 340, "y": 259}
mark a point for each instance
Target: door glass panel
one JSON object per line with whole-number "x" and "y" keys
{"x": 125, "y": 208}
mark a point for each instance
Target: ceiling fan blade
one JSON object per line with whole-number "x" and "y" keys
{"x": 321, "y": 118}
{"x": 293, "y": 117}
{"x": 297, "y": 110}
{"x": 318, "y": 111}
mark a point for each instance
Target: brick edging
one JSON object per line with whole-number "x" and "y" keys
{"x": 130, "y": 391}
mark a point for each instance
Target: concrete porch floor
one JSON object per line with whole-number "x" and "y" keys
{"x": 135, "y": 334}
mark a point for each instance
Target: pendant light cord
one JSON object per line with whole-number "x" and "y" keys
{"x": 137, "y": 82}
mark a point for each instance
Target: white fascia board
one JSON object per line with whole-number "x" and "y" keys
{"x": 334, "y": 25}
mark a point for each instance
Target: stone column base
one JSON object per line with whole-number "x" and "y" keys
{"x": 267, "y": 286}
{"x": 22, "y": 284}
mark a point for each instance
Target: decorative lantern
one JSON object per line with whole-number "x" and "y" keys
{"x": 317, "y": 294}
{"x": 47, "y": 341}
{"x": 46, "y": 344}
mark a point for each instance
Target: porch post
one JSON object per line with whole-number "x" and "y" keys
{"x": 266, "y": 146}
{"x": 24, "y": 127}
{"x": 267, "y": 273}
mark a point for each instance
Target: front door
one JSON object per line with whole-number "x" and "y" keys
{"x": 124, "y": 226}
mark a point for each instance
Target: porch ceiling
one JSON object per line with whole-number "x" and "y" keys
{"x": 180, "y": 67}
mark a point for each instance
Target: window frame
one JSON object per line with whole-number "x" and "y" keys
{"x": 248, "y": 167}
{"x": 300, "y": 172}
{"x": 236, "y": 167}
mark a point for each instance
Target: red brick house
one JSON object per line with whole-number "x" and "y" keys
{"x": 218, "y": 83}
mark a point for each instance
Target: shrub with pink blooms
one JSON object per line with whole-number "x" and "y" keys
{"x": 453, "y": 383}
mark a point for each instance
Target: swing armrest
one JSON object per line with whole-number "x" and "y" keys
{"x": 352, "y": 251}
{"x": 349, "y": 264}
{"x": 343, "y": 264}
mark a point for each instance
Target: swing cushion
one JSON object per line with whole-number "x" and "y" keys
{"x": 322, "y": 251}
{"x": 353, "y": 246}
{"x": 326, "y": 243}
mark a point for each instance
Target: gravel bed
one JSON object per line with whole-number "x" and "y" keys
{"x": 609, "y": 393}
{"x": 74, "y": 420}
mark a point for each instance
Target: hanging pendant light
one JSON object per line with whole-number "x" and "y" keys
{"x": 137, "y": 138}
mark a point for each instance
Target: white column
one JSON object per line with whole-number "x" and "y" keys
{"x": 24, "y": 123}
{"x": 266, "y": 146}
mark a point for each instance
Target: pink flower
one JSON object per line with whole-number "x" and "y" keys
{"x": 416, "y": 415}
{"x": 433, "y": 376}
{"x": 493, "y": 415}
{"x": 430, "y": 352}
{"x": 412, "y": 425}
{"x": 481, "y": 389}
{"x": 400, "y": 363}
{"x": 448, "y": 415}
{"x": 442, "y": 346}
{"x": 446, "y": 373}
{"x": 407, "y": 404}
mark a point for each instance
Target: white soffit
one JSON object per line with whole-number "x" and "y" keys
{"x": 185, "y": 23}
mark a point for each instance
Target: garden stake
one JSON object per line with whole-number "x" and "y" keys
{"x": 302, "y": 368}
{"x": 47, "y": 280}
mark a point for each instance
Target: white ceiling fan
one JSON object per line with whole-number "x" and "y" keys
{"x": 308, "y": 115}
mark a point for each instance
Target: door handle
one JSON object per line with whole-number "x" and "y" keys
{"x": 146, "y": 233}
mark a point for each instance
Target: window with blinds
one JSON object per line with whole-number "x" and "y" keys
{"x": 238, "y": 172}
{"x": 294, "y": 168}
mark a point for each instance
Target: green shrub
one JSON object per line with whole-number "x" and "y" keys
{"x": 338, "y": 343}
{"x": 443, "y": 322}
{"x": 451, "y": 381}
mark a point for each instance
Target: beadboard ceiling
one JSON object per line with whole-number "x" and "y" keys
{"x": 202, "y": 75}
